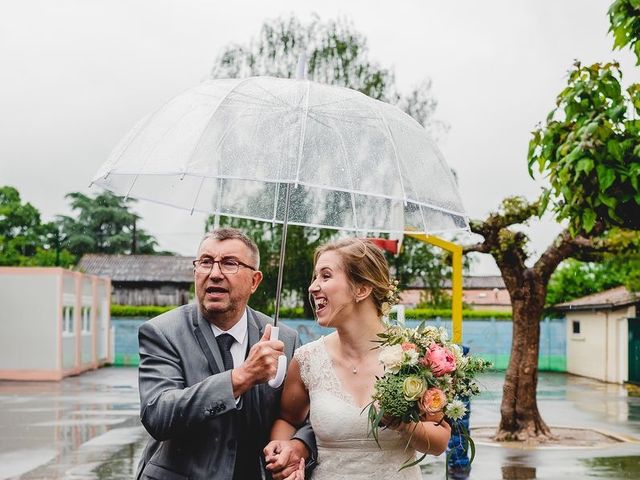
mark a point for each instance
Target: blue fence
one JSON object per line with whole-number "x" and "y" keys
{"x": 487, "y": 338}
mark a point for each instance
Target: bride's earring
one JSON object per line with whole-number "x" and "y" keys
{"x": 361, "y": 293}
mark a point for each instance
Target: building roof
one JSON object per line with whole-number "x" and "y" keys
{"x": 470, "y": 282}
{"x": 480, "y": 282}
{"x": 607, "y": 300}
{"x": 139, "y": 268}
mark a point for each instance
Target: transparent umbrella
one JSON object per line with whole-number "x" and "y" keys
{"x": 288, "y": 151}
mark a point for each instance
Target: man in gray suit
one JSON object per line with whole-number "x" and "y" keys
{"x": 203, "y": 368}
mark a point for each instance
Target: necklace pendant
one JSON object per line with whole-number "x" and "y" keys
{"x": 354, "y": 370}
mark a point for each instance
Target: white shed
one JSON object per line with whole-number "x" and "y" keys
{"x": 53, "y": 323}
{"x": 603, "y": 335}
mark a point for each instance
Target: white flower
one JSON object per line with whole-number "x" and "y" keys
{"x": 457, "y": 351}
{"x": 461, "y": 360}
{"x": 455, "y": 409}
{"x": 429, "y": 330}
{"x": 425, "y": 336}
{"x": 444, "y": 336}
{"x": 461, "y": 363}
{"x": 391, "y": 357}
{"x": 411, "y": 356}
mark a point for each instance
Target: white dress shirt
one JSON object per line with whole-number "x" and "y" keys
{"x": 239, "y": 332}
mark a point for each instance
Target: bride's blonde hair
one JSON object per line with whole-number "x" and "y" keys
{"x": 364, "y": 264}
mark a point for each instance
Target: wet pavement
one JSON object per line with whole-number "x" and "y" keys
{"x": 564, "y": 401}
{"x": 87, "y": 427}
{"x": 84, "y": 427}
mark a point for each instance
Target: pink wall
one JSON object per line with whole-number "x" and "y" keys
{"x": 56, "y": 315}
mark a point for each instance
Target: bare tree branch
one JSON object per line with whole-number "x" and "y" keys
{"x": 481, "y": 247}
{"x": 560, "y": 249}
{"x": 580, "y": 247}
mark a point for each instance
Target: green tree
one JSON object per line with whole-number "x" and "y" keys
{"x": 574, "y": 279}
{"x": 589, "y": 150}
{"x": 624, "y": 24}
{"x": 24, "y": 239}
{"x": 419, "y": 260}
{"x": 104, "y": 224}
{"x": 337, "y": 55}
{"x": 527, "y": 287}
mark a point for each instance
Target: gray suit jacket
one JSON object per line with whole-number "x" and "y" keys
{"x": 186, "y": 399}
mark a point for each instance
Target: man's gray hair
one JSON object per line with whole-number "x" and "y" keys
{"x": 228, "y": 233}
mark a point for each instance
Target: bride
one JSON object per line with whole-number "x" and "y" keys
{"x": 332, "y": 379}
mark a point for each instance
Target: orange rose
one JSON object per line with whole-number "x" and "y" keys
{"x": 432, "y": 401}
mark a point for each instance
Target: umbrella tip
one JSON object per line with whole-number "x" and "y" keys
{"x": 301, "y": 70}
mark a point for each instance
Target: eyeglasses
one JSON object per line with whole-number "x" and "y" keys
{"x": 227, "y": 265}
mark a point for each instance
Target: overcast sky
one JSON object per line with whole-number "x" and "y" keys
{"x": 77, "y": 74}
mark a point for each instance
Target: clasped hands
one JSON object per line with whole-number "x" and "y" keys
{"x": 285, "y": 459}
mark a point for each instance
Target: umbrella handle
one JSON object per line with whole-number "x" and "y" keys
{"x": 276, "y": 381}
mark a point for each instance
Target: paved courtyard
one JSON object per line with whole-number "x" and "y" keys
{"x": 87, "y": 427}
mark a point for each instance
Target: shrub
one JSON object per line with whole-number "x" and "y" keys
{"x": 426, "y": 313}
{"x": 139, "y": 310}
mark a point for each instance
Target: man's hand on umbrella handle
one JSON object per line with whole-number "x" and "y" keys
{"x": 276, "y": 381}
{"x": 260, "y": 366}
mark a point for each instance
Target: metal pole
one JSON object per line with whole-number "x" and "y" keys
{"x": 456, "y": 280}
{"x": 283, "y": 249}
{"x": 456, "y": 294}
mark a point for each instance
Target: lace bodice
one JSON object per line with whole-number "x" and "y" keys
{"x": 345, "y": 451}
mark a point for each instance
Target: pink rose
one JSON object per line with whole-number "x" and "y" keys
{"x": 439, "y": 359}
{"x": 432, "y": 401}
{"x": 408, "y": 346}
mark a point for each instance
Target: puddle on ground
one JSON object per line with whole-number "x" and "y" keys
{"x": 626, "y": 467}
{"x": 17, "y": 462}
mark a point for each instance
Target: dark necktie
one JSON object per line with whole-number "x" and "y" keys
{"x": 224, "y": 343}
{"x": 244, "y": 468}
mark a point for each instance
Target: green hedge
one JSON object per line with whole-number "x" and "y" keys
{"x": 297, "y": 312}
{"x": 419, "y": 313}
{"x": 150, "y": 311}
{"x": 138, "y": 311}
{"x": 422, "y": 313}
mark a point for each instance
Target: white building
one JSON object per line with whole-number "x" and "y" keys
{"x": 603, "y": 335}
{"x": 53, "y": 323}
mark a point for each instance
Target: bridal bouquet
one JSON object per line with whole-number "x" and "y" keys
{"x": 424, "y": 373}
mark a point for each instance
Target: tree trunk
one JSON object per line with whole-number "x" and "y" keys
{"x": 520, "y": 418}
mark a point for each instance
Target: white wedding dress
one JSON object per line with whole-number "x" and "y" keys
{"x": 345, "y": 451}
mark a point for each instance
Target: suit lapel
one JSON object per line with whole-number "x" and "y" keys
{"x": 252, "y": 397}
{"x": 210, "y": 342}
{"x": 253, "y": 328}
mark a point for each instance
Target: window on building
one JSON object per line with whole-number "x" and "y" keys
{"x": 576, "y": 327}
{"x": 86, "y": 319}
{"x": 67, "y": 320}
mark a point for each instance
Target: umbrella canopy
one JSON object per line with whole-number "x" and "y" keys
{"x": 231, "y": 147}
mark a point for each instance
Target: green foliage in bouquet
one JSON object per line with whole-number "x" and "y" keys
{"x": 386, "y": 394}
